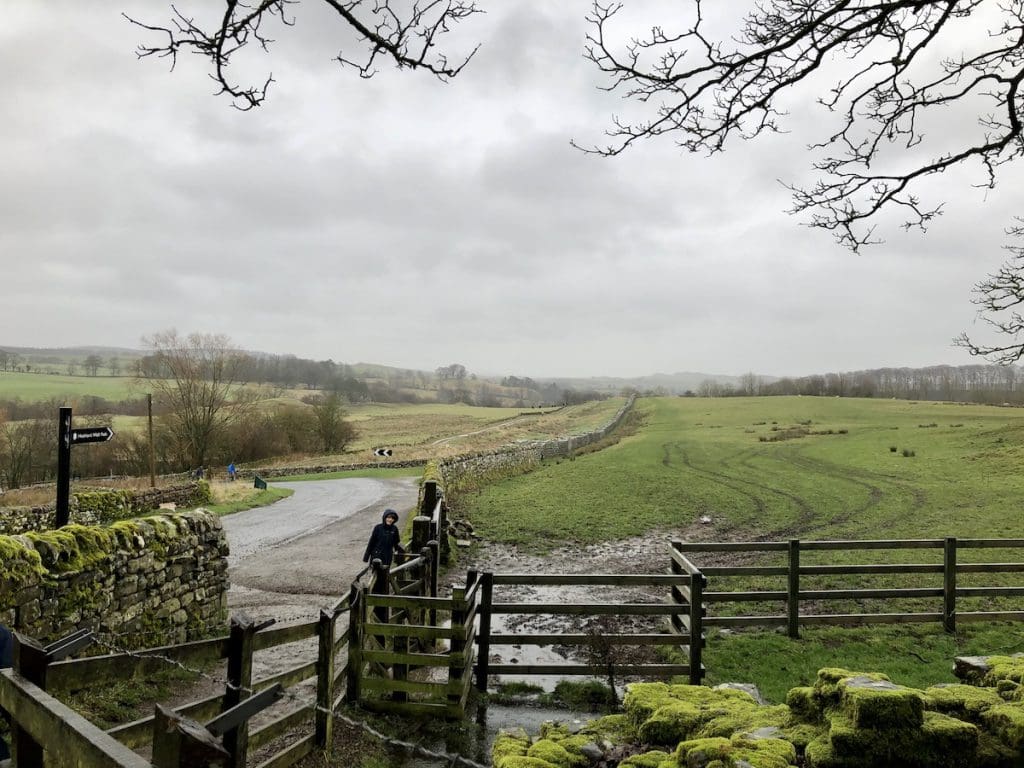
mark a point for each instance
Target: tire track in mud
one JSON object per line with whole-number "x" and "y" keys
{"x": 741, "y": 486}
{"x": 863, "y": 478}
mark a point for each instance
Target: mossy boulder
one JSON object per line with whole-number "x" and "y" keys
{"x": 737, "y": 752}
{"x": 966, "y": 702}
{"x": 881, "y": 704}
{"x": 653, "y": 759}
{"x": 1006, "y": 721}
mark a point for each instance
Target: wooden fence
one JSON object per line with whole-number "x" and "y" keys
{"x": 43, "y": 726}
{"x": 938, "y": 592}
{"x": 682, "y": 609}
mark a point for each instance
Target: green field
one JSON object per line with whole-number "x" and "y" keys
{"x": 780, "y": 468}
{"x": 33, "y": 387}
{"x": 695, "y": 457}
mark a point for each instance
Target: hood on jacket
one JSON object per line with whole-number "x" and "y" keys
{"x": 389, "y": 513}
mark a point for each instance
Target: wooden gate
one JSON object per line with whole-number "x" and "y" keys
{"x": 682, "y": 609}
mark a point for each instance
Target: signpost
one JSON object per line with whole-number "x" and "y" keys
{"x": 66, "y": 437}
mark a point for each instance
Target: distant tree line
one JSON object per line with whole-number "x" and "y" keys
{"x": 960, "y": 383}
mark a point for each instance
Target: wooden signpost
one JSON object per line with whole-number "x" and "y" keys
{"x": 66, "y": 437}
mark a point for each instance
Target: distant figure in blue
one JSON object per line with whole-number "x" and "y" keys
{"x": 385, "y": 539}
{"x": 232, "y": 472}
{"x": 6, "y": 660}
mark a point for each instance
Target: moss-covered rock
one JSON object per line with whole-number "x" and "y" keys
{"x": 966, "y": 702}
{"x": 509, "y": 743}
{"x": 881, "y": 704}
{"x": 727, "y": 753}
{"x": 615, "y": 729}
{"x": 1006, "y": 721}
{"x": 653, "y": 759}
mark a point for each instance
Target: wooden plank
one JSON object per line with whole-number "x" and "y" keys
{"x": 975, "y": 616}
{"x": 811, "y": 570}
{"x": 873, "y": 544}
{"x": 398, "y": 601}
{"x": 746, "y": 621}
{"x": 730, "y": 546}
{"x": 300, "y": 715}
{"x": 580, "y": 639}
{"x": 412, "y": 588}
{"x": 572, "y": 579}
{"x": 406, "y": 707}
{"x": 864, "y": 594}
{"x": 60, "y": 730}
{"x": 377, "y": 684}
{"x": 964, "y": 568}
{"x": 290, "y": 755}
{"x": 577, "y": 609}
{"x": 990, "y": 543}
{"x": 745, "y": 570}
{"x": 289, "y": 677}
{"x": 743, "y": 597}
{"x": 415, "y": 659}
{"x": 281, "y": 635}
{"x": 596, "y": 670}
{"x": 679, "y": 560}
{"x": 856, "y": 619}
{"x": 139, "y": 732}
{"x": 989, "y": 591}
{"x": 342, "y": 640}
{"x": 94, "y": 671}
{"x": 409, "y": 630}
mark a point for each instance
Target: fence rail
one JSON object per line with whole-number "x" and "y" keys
{"x": 946, "y": 595}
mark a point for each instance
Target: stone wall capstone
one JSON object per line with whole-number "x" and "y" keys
{"x": 136, "y": 583}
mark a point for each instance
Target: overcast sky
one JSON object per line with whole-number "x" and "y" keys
{"x": 406, "y": 222}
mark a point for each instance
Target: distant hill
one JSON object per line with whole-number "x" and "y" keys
{"x": 672, "y": 383}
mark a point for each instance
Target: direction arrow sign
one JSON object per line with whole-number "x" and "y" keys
{"x": 381, "y": 451}
{"x": 91, "y": 435}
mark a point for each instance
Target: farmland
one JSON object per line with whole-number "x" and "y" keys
{"x": 775, "y": 469}
{"x": 780, "y": 467}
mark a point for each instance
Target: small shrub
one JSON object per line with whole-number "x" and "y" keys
{"x": 927, "y": 426}
{"x": 844, "y": 431}
{"x": 892, "y": 449}
{"x": 907, "y": 453}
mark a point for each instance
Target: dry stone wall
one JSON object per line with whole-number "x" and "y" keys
{"x": 136, "y": 583}
{"x": 102, "y": 505}
{"x": 522, "y": 457}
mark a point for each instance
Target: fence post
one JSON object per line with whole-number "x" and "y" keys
{"x": 429, "y": 498}
{"x": 435, "y": 567}
{"x": 442, "y": 533}
{"x": 696, "y": 627}
{"x": 30, "y": 661}
{"x": 240, "y": 651}
{"x": 420, "y": 533}
{"x": 182, "y": 743}
{"x": 356, "y": 629}
{"x": 793, "y": 589}
{"x": 484, "y": 644}
{"x": 949, "y": 585}
{"x": 457, "y": 652}
{"x": 325, "y": 631}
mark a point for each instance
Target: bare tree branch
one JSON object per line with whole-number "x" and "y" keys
{"x": 705, "y": 92}
{"x": 998, "y": 298}
{"x": 404, "y": 31}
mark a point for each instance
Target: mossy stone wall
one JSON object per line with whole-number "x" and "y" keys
{"x": 136, "y": 583}
{"x": 95, "y": 507}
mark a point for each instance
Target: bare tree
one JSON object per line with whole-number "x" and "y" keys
{"x": 197, "y": 379}
{"x": 896, "y": 85}
{"x": 332, "y": 429}
{"x": 92, "y": 364}
{"x": 999, "y": 297}
{"x": 406, "y": 33}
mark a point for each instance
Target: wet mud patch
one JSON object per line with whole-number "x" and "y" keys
{"x": 648, "y": 554}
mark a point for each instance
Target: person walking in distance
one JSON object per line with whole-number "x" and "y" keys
{"x": 385, "y": 539}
